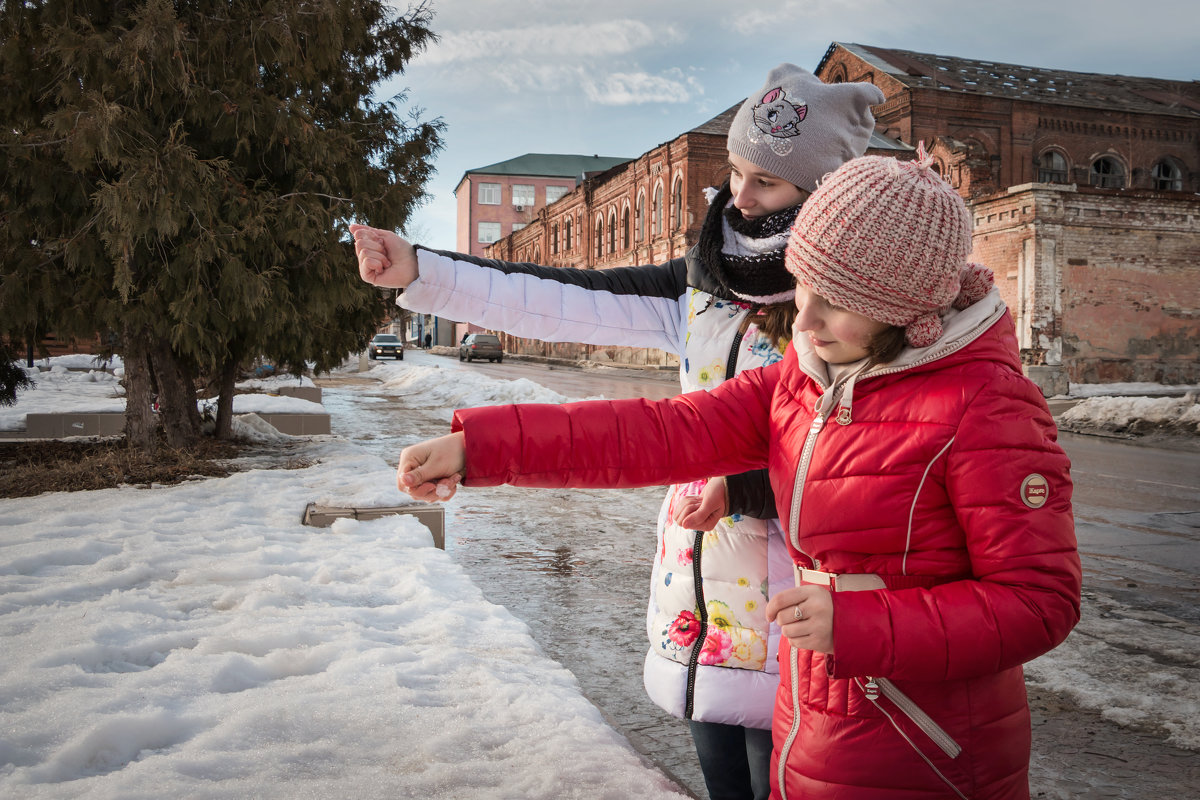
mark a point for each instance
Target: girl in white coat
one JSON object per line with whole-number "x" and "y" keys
{"x": 726, "y": 306}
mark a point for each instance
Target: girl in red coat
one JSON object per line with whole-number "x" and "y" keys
{"x": 926, "y": 500}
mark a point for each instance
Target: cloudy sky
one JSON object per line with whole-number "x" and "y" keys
{"x": 620, "y": 77}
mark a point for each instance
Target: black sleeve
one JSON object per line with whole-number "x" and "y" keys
{"x": 750, "y": 495}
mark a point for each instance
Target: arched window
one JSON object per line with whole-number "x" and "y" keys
{"x": 1052, "y": 167}
{"x": 612, "y": 231}
{"x": 625, "y": 229}
{"x": 677, "y": 203}
{"x": 599, "y": 237}
{"x": 1107, "y": 173}
{"x": 568, "y": 236}
{"x": 554, "y": 239}
{"x": 656, "y": 211}
{"x": 1167, "y": 177}
{"x": 639, "y": 224}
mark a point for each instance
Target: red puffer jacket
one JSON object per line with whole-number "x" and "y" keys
{"x": 939, "y": 473}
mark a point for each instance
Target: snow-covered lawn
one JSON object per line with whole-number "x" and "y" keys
{"x": 199, "y": 641}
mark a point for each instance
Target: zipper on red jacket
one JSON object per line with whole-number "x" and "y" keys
{"x": 810, "y": 442}
{"x": 882, "y": 686}
{"x": 694, "y": 660}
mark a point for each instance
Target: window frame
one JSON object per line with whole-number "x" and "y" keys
{"x": 1175, "y": 178}
{"x": 1045, "y": 170}
{"x": 490, "y": 188}
{"x": 531, "y": 194}
{"x": 1108, "y": 180}
{"x": 677, "y": 203}
{"x": 479, "y": 232}
{"x": 639, "y": 217}
{"x": 656, "y": 211}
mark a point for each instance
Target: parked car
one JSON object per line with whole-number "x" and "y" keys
{"x": 481, "y": 345}
{"x": 386, "y": 344}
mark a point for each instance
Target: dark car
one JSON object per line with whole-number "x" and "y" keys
{"x": 480, "y": 345}
{"x": 386, "y": 344}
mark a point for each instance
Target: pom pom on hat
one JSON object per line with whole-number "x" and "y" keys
{"x": 976, "y": 281}
{"x": 888, "y": 239}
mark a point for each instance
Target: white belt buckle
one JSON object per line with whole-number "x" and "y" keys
{"x": 815, "y": 576}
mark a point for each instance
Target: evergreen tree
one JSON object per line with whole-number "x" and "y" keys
{"x": 179, "y": 174}
{"x": 12, "y": 378}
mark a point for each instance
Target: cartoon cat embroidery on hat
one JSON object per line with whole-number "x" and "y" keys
{"x": 779, "y": 119}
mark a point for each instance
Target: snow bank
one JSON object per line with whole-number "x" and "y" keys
{"x": 199, "y": 641}
{"x": 1135, "y": 414}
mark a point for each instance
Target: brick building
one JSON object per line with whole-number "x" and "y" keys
{"x": 1083, "y": 188}
{"x": 498, "y": 200}
{"x": 646, "y": 211}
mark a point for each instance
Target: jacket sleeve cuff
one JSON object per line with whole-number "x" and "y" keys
{"x": 749, "y": 494}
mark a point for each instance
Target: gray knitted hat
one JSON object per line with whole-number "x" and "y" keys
{"x": 800, "y": 129}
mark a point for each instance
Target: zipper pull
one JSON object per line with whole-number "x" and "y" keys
{"x": 817, "y": 423}
{"x": 872, "y": 689}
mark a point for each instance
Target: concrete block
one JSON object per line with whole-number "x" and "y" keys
{"x": 310, "y": 393}
{"x": 431, "y": 515}
{"x": 1052, "y": 380}
{"x": 60, "y": 425}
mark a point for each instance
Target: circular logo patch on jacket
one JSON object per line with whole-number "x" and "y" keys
{"x": 1035, "y": 491}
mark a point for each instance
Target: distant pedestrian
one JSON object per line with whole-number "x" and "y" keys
{"x": 428, "y": 340}
{"x": 725, "y": 307}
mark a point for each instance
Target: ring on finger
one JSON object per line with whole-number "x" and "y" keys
{"x": 797, "y": 614}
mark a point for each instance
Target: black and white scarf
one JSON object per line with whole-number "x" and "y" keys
{"x": 745, "y": 256}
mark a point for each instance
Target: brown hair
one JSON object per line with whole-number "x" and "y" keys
{"x": 886, "y": 345}
{"x": 776, "y": 322}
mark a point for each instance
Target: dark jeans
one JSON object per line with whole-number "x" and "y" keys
{"x": 736, "y": 761}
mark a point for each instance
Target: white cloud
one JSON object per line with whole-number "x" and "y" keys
{"x": 768, "y": 22}
{"x": 635, "y": 88}
{"x": 543, "y": 42}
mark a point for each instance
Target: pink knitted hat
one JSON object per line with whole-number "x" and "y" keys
{"x": 888, "y": 239}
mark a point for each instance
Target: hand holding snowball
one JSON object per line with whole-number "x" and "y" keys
{"x": 431, "y": 470}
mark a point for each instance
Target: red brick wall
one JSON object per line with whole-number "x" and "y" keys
{"x": 1102, "y": 283}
